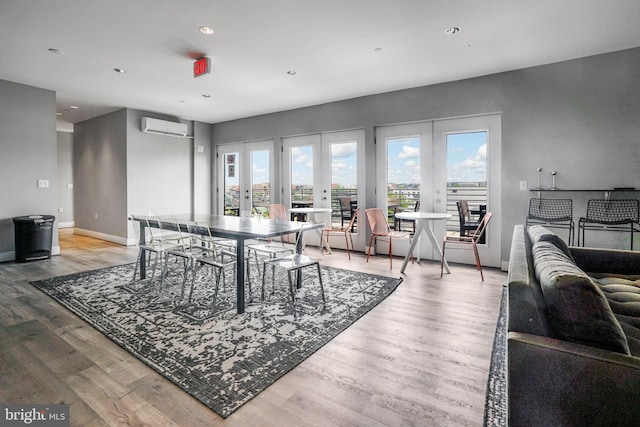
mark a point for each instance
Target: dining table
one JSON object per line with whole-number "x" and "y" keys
{"x": 235, "y": 228}
{"x": 316, "y": 216}
{"x": 424, "y": 225}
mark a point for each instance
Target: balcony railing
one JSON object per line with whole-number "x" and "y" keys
{"x": 404, "y": 198}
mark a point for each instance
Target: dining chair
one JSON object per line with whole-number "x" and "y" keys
{"x": 189, "y": 250}
{"x": 155, "y": 246}
{"x": 272, "y": 248}
{"x": 346, "y": 209}
{"x": 611, "y": 215}
{"x": 212, "y": 256}
{"x": 468, "y": 242}
{"x": 293, "y": 263}
{"x": 397, "y": 222}
{"x": 552, "y": 213}
{"x": 346, "y": 231}
{"x": 380, "y": 230}
{"x": 467, "y": 225}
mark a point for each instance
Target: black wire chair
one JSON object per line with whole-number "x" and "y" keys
{"x": 552, "y": 213}
{"x": 621, "y": 215}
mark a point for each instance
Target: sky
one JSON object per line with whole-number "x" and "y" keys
{"x": 466, "y": 158}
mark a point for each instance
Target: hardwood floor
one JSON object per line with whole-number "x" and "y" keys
{"x": 420, "y": 358}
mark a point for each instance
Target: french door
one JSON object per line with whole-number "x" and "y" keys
{"x": 319, "y": 169}
{"x": 245, "y": 178}
{"x": 404, "y": 167}
{"x": 469, "y": 168}
{"x": 438, "y": 163}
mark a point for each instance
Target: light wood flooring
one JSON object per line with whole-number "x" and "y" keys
{"x": 420, "y": 358}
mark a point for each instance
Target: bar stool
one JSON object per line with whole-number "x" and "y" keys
{"x": 611, "y": 215}
{"x": 552, "y": 213}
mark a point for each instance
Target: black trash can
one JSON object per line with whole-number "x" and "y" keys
{"x": 34, "y": 234}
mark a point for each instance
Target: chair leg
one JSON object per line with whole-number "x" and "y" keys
{"x": 444, "y": 244}
{"x": 321, "y": 285}
{"x": 390, "y": 252}
{"x": 369, "y": 251}
{"x": 264, "y": 272}
{"x": 346, "y": 241}
{"x": 135, "y": 270}
{"x": 478, "y": 264}
{"x": 353, "y": 248}
{"x": 219, "y": 272}
{"x": 291, "y": 290}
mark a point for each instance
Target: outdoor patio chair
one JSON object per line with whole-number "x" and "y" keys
{"x": 468, "y": 242}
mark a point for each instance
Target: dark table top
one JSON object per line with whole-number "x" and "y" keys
{"x": 231, "y": 226}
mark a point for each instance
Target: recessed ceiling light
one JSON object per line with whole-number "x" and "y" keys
{"x": 56, "y": 51}
{"x": 206, "y": 30}
{"x": 73, "y": 107}
{"x": 452, "y": 30}
{"x": 58, "y": 114}
{"x": 292, "y": 72}
{"x": 120, "y": 70}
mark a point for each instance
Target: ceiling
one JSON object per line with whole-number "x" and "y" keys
{"x": 339, "y": 49}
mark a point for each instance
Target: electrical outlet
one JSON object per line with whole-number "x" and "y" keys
{"x": 43, "y": 183}
{"x": 95, "y": 215}
{"x": 200, "y": 148}
{"x": 60, "y": 210}
{"x": 523, "y": 185}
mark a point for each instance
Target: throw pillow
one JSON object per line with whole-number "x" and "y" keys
{"x": 538, "y": 233}
{"x": 577, "y": 309}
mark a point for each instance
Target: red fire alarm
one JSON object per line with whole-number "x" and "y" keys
{"x": 201, "y": 66}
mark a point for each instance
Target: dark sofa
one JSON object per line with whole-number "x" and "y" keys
{"x": 573, "y": 333}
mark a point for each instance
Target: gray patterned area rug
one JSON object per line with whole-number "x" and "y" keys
{"x": 495, "y": 413}
{"x": 221, "y": 358}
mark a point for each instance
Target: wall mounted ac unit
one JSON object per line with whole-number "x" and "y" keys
{"x": 163, "y": 127}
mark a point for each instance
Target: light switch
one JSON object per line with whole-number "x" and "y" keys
{"x": 200, "y": 148}
{"x": 523, "y": 185}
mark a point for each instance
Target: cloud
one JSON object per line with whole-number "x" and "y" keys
{"x": 344, "y": 150}
{"x": 409, "y": 152}
{"x": 471, "y": 169}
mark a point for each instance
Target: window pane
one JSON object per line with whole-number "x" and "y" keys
{"x": 403, "y": 173}
{"x": 231, "y": 184}
{"x": 466, "y": 173}
{"x": 301, "y": 174}
{"x": 344, "y": 179}
{"x": 260, "y": 183}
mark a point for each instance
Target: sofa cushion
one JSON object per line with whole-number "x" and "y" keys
{"x": 577, "y": 309}
{"x": 623, "y": 294}
{"x": 538, "y": 233}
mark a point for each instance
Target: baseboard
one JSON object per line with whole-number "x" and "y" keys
{"x": 7, "y": 256}
{"x": 69, "y": 224}
{"x": 11, "y": 256}
{"x": 102, "y": 236}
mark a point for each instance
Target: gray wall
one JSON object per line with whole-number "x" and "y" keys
{"x": 65, "y": 178}
{"x": 100, "y": 175}
{"x": 202, "y": 168}
{"x": 118, "y": 170}
{"x": 28, "y": 153}
{"x": 580, "y": 118}
{"x": 159, "y": 168}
